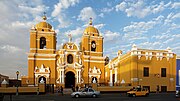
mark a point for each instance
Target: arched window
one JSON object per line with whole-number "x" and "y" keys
{"x": 70, "y": 59}
{"x": 42, "y": 43}
{"x": 93, "y": 46}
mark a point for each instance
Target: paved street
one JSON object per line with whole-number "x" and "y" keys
{"x": 105, "y": 96}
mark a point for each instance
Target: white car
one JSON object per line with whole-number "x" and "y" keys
{"x": 87, "y": 92}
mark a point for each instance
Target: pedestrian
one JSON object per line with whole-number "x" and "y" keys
{"x": 157, "y": 89}
{"x": 61, "y": 90}
{"x": 77, "y": 88}
{"x": 72, "y": 87}
{"x": 38, "y": 91}
{"x": 85, "y": 86}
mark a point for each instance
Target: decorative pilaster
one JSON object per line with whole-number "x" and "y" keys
{"x": 115, "y": 75}
{"x": 63, "y": 76}
{"x": 110, "y": 78}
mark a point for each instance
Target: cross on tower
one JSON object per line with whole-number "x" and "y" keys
{"x": 44, "y": 16}
{"x": 70, "y": 37}
{"x": 90, "y": 21}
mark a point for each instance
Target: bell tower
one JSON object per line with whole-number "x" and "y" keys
{"x": 92, "y": 55}
{"x": 42, "y": 57}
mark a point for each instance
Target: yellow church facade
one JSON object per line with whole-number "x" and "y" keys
{"x": 145, "y": 68}
{"x": 82, "y": 64}
{"x": 68, "y": 66}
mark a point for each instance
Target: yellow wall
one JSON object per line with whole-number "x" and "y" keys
{"x": 131, "y": 66}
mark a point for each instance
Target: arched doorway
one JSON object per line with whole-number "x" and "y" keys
{"x": 42, "y": 78}
{"x": 69, "y": 79}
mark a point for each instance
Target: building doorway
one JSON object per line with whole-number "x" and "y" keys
{"x": 113, "y": 79}
{"x": 42, "y": 78}
{"x": 69, "y": 80}
{"x": 163, "y": 88}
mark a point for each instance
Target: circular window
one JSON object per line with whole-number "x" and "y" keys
{"x": 70, "y": 59}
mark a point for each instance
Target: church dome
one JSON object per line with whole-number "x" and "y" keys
{"x": 91, "y": 29}
{"x": 43, "y": 24}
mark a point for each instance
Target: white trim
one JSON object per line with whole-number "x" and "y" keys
{"x": 93, "y": 52}
{"x": 41, "y": 49}
{"x": 39, "y": 54}
{"x": 41, "y": 58}
{"x": 95, "y": 57}
{"x": 94, "y": 61}
{"x": 42, "y": 32}
{"x": 94, "y": 37}
{"x": 178, "y": 57}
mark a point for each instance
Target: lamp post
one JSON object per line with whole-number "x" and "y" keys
{"x": 17, "y": 73}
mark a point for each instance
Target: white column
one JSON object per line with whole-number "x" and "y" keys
{"x": 62, "y": 76}
{"x": 80, "y": 76}
{"x": 77, "y": 77}
{"x": 60, "y": 80}
{"x": 111, "y": 78}
{"x": 115, "y": 75}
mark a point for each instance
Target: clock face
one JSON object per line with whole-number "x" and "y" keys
{"x": 93, "y": 45}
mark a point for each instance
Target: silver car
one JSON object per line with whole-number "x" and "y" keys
{"x": 87, "y": 92}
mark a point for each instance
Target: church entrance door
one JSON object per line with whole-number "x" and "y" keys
{"x": 69, "y": 79}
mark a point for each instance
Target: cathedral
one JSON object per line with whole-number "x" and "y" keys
{"x": 83, "y": 64}
{"x": 68, "y": 66}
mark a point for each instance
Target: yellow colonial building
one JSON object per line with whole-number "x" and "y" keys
{"x": 73, "y": 65}
{"x": 68, "y": 66}
{"x": 147, "y": 68}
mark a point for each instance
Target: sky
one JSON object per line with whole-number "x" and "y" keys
{"x": 150, "y": 24}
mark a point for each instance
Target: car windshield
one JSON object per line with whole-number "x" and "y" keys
{"x": 85, "y": 90}
{"x": 91, "y": 90}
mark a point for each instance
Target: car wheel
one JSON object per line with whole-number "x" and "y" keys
{"x": 76, "y": 96}
{"x": 94, "y": 95}
{"x": 134, "y": 95}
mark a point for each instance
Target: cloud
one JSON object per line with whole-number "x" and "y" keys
{"x": 122, "y": 6}
{"x": 107, "y": 10}
{"x": 18, "y": 17}
{"x": 87, "y": 13}
{"x": 176, "y": 5}
{"x": 62, "y": 5}
{"x": 101, "y": 15}
{"x": 59, "y": 12}
{"x": 140, "y": 9}
{"x": 99, "y": 26}
{"x": 77, "y": 32}
{"x": 10, "y": 49}
{"x": 109, "y": 36}
{"x": 142, "y": 27}
{"x": 150, "y": 45}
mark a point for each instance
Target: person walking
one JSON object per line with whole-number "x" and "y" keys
{"x": 61, "y": 90}
{"x": 38, "y": 91}
{"x": 157, "y": 89}
{"x": 72, "y": 87}
{"x": 77, "y": 88}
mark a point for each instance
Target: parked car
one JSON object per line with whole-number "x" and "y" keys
{"x": 177, "y": 93}
{"x": 87, "y": 92}
{"x": 138, "y": 92}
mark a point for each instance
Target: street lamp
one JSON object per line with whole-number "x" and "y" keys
{"x": 17, "y": 73}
